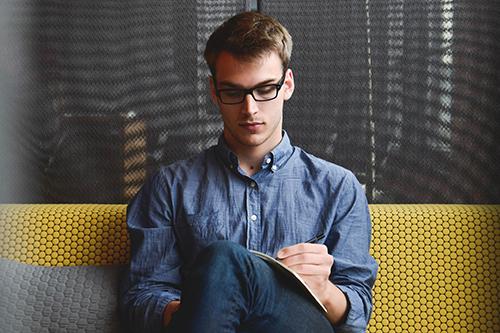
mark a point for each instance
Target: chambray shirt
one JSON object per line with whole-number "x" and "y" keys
{"x": 295, "y": 196}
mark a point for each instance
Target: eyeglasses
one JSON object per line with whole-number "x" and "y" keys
{"x": 262, "y": 93}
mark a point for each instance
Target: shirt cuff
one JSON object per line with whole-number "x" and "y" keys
{"x": 357, "y": 318}
{"x": 160, "y": 305}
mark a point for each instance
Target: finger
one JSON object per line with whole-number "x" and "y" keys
{"x": 308, "y": 258}
{"x": 301, "y": 248}
{"x": 311, "y": 270}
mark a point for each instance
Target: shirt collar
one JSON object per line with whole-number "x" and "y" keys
{"x": 273, "y": 160}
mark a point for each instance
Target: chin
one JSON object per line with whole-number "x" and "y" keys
{"x": 251, "y": 142}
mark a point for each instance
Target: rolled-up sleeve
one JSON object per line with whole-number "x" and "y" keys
{"x": 153, "y": 276}
{"x": 354, "y": 270}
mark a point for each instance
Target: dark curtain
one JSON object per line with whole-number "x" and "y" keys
{"x": 96, "y": 96}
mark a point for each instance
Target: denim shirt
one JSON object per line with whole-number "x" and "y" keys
{"x": 295, "y": 196}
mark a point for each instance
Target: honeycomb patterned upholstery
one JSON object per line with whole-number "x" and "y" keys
{"x": 45, "y": 299}
{"x": 438, "y": 268}
{"x": 64, "y": 234}
{"x": 37, "y": 293}
{"x": 438, "y": 263}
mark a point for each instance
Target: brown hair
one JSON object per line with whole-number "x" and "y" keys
{"x": 248, "y": 36}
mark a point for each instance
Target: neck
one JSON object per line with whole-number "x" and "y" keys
{"x": 251, "y": 165}
{"x": 250, "y": 157}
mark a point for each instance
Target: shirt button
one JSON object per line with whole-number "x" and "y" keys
{"x": 252, "y": 184}
{"x": 274, "y": 168}
{"x": 253, "y": 217}
{"x": 268, "y": 160}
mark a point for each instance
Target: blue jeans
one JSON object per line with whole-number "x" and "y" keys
{"x": 231, "y": 290}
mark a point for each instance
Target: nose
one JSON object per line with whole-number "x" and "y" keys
{"x": 249, "y": 104}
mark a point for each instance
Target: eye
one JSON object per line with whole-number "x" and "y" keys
{"x": 265, "y": 90}
{"x": 231, "y": 93}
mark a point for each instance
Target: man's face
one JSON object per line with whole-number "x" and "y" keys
{"x": 251, "y": 126}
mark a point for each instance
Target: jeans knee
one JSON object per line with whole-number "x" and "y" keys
{"x": 223, "y": 248}
{"x": 223, "y": 253}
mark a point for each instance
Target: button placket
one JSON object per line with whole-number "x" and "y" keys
{"x": 253, "y": 215}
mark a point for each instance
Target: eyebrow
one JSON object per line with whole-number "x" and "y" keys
{"x": 229, "y": 84}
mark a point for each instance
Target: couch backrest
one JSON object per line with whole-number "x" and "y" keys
{"x": 438, "y": 263}
{"x": 64, "y": 235}
{"x": 438, "y": 268}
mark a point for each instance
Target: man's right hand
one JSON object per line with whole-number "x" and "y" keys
{"x": 169, "y": 311}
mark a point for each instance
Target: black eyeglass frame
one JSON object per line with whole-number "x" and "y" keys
{"x": 250, "y": 91}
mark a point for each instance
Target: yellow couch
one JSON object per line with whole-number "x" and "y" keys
{"x": 438, "y": 267}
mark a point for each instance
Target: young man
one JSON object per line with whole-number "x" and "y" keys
{"x": 192, "y": 225}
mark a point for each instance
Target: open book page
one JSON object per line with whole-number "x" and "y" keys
{"x": 278, "y": 265}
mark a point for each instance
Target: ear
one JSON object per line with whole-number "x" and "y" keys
{"x": 213, "y": 93}
{"x": 288, "y": 84}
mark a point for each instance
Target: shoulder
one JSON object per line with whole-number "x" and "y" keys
{"x": 187, "y": 169}
{"x": 336, "y": 183}
{"x": 317, "y": 167}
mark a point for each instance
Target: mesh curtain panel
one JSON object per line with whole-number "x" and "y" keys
{"x": 95, "y": 96}
{"x": 404, "y": 93}
{"x": 116, "y": 88}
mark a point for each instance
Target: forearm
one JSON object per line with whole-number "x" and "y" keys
{"x": 153, "y": 278}
{"x": 336, "y": 303}
{"x": 359, "y": 309}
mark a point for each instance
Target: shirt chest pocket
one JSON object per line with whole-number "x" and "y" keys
{"x": 196, "y": 231}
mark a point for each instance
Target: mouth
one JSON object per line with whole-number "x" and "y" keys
{"x": 252, "y": 126}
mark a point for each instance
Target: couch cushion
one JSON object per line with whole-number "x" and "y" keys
{"x": 58, "y": 299}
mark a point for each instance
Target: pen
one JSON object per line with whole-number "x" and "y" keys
{"x": 316, "y": 238}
